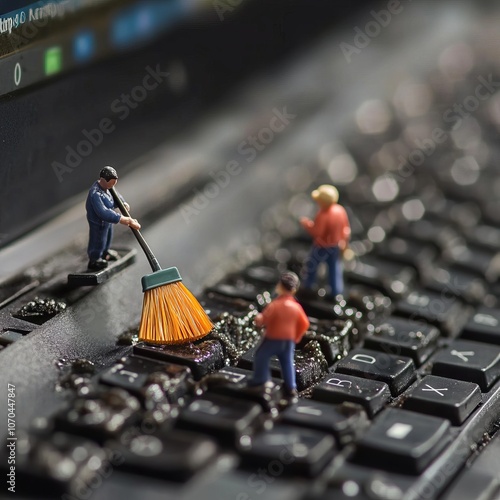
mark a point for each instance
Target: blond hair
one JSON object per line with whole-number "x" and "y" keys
{"x": 326, "y": 194}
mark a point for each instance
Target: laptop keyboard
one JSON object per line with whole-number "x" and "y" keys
{"x": 399, "y": 380}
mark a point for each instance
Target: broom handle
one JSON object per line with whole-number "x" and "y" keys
{"x": 153, "y": 261}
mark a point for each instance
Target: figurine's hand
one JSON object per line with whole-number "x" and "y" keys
{"x": 305, "y": 222}
{"x": 259, "y": 320}
{"x": 134, "y": 224}
{"x": 128, "y": 221}
{"x": 127, "y": 206}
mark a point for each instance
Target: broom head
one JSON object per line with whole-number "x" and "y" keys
{"x": 170, "y": 313}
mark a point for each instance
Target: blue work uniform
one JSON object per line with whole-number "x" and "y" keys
{"x": 101, "y": 217}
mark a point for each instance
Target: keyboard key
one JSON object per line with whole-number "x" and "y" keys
{"x": 134, "y": 373}
{"x": 370, "y": 394}
{"x": 334, "y": 338}
{"x": 398, "y": 372}
{"x": 220, "y": 417}
{"x": 459, "y": 214}
{"x": 8, "y": 337}
{"x": 236, "y": 484}
{"x": 203, "y": 358}
{"x": 434, "y": 232}
{"x": 484, "y": 326}
{"x": 241, "y": 290}
{"x": 217, "y": 305}
{"x": 391, "y": 278}
{"x": 100, "y": 416}
{"x": 403, "y": 441}
{"x": 263, "y": 275}
{"x": 299, "y": 451}
{"x": 131, "y": 374}
{"x": 486, "y": 236}
{"x": 469, "y": 361}
{"x": 318, "y": 307}
{"x": 444, "y": 397}
{"x": 59, "y": 464}
{"x": 400, "y": 336}
{"x": 372, "y": 303}
{"x": 232, "y": 382}
{"x": 175, "y": 456}
{"x": 476, "y": 259}
{"x": 122, "y": 484}
{"x": 414, "y": 253}
{"x": 175, "y": 381}
{"x": 363, "y": 483}
{"x": 344, "y": 421}
{"x": 444, "y": 311}
{"x": 310, "y": 364}
{"x": 461, "y": 283}
{"x": 247, "y": 359}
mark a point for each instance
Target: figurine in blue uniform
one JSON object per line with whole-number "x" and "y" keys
{"x": 101, "y": 216}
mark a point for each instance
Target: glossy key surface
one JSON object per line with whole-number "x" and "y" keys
{"x": 396, "y": 371}
{"x": 444, "y": 397}
{"x": 470, "y": 361}
{"x": 403, "y": 441}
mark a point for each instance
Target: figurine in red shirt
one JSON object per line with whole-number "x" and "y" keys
{"x": 285, "y": 323}
{"x": 330, "y": 231}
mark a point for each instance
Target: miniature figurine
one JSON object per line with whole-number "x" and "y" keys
{"x": 285, "y": 323}
{"x": 101, "y": 216}
{"x": 330, "y": 231}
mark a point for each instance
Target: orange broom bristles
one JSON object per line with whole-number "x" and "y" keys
{"x": 172, "y": 315}
{"x": 170, "y": 312}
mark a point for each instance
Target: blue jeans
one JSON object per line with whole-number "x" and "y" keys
{"x": 330, "y": 255}
{"x": 100, "y": 236}
{"x": 284, "y": 350}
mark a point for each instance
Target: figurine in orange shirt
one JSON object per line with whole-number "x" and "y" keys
{"x": 330, "y": 231}
{"x": 285, "y": 323}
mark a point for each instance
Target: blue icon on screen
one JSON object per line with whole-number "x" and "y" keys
{"x": 145, "y": 20}
{"x": 84, "y": 46}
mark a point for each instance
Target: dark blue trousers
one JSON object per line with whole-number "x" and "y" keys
{"x": 331, "y": 256}
{"x": 284, "y": 350}
{"x": 100, "y": 236}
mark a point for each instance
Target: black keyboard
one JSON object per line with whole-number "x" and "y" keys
{"x": 399, "y": 379}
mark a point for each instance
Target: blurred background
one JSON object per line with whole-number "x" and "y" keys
{"x": 184, "y": 97}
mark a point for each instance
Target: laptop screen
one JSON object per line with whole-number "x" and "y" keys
{"x": 89, "y": 83}
{"x": 40, "y": 40}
